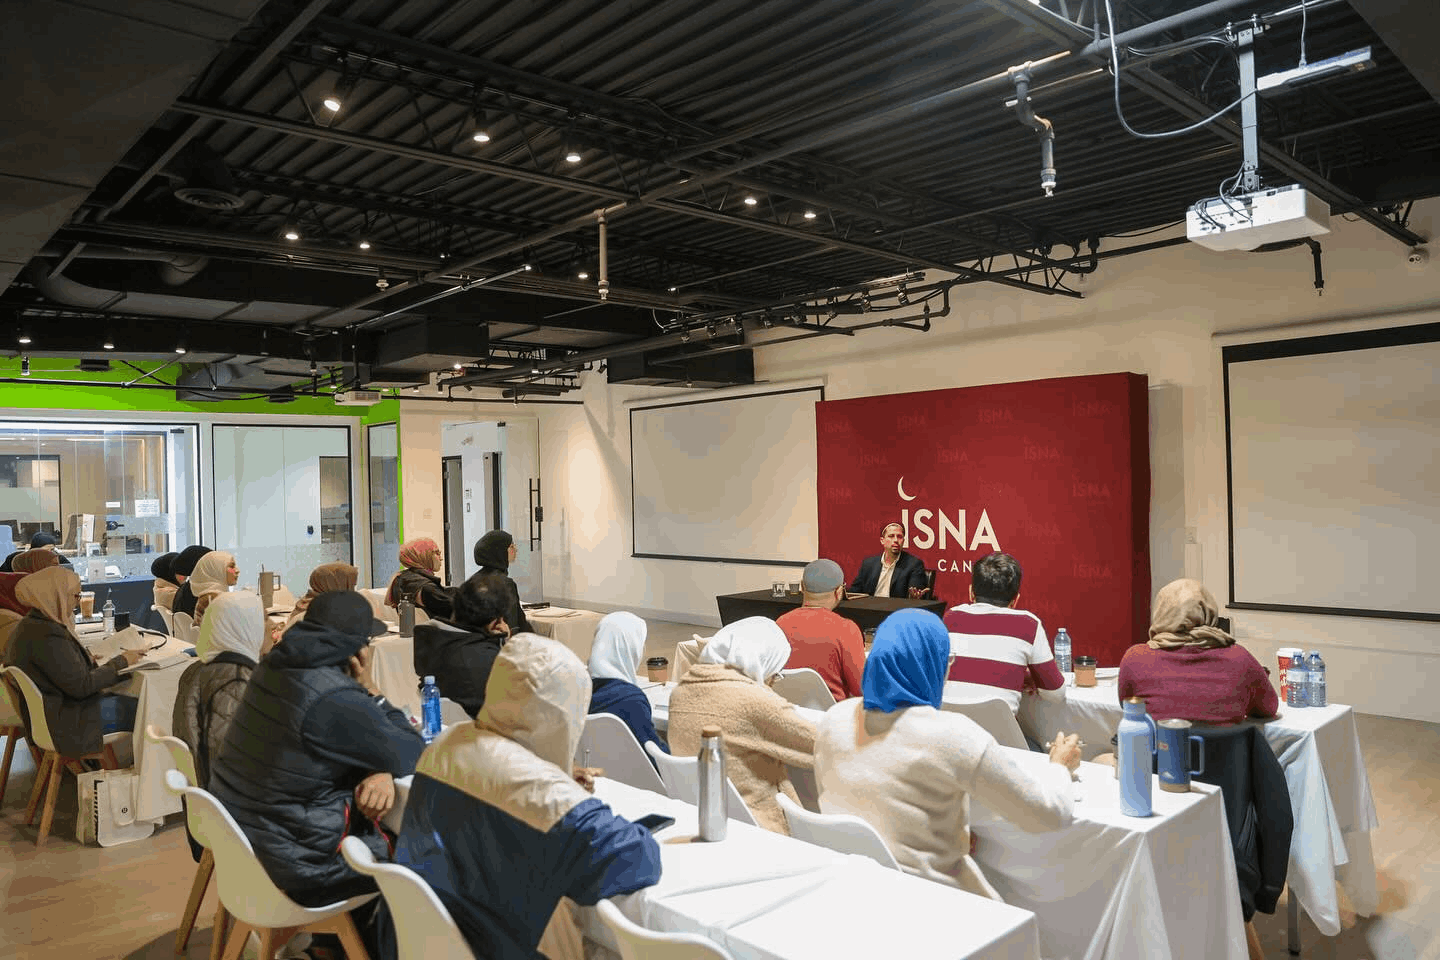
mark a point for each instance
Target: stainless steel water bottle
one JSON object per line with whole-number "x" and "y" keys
{"x": 713, "y": 820}
{"x": 405, "y": 613}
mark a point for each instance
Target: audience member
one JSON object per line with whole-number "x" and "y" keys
{"x": 898, "y": 762}
{"x": 8, "y": 600}
{"x": 729, "y": 688}
{"x": 182, "y": 567}
{"x": 215, "y": 574}
{"x": 615, "y": 659}
{"x": 77, "y": 707}
{"x": 42, "y": 540}
{"x": 162, "y": 569}
{"x": 418, "y": 580}
{"x": 312, "y": 753}
{"x": 998, "y": 649}
{"x": 460, "y": 651}
{"x": 210, "y": 690}
{"x": 35, "y": 560}
{"x": 496, "y": 822}
{"x": 892, "y": 572}
{"x": 1191, "y": 669}
{"x": 494, "y": 552}
{"x": 326, "y": 578}
{"x": 821, "y": 639}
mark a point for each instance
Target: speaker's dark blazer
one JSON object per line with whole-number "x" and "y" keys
{"x": 909, "y": 572}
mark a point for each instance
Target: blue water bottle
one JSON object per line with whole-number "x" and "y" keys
{"x": 1315, "y": 688}
{"x": 1134, "y": 760}
{"x": 1062, "y": 650}
{"x": 430, "y": 725}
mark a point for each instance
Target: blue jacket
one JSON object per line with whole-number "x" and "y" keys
{"x": 497, "y": 826}
{"x": 629, "y": 703}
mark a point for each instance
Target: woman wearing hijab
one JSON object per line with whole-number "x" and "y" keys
{"x": 77, "y": 707}
{"x": 494, "y": 552}
{"x": 729, "y": 688}
{"x": 162, "y": 569}
{"x": 896, "y": 761}
{"x": 324, "y": 579}
{"x": 1191, "y": 669}
{"x": 419, "y": 580}
{"x": 215, "y": 574}
{"x": 614, "y": 660}
{"x": 182, "y": 567}
{"x": 43, "y": 541}
{"x": 210, "y": 690}
{"x": 25, "y": 563}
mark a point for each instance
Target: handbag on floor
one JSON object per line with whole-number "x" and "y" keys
{"x": 107, "y": 808}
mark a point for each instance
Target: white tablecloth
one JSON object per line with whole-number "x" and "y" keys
{"x": 575, "y": 629}
{"x": 1330, "y": 798}
{"x": 156, "y": 690}
{"x": 393, "y": 669}
{"x": 1112, "y": 887}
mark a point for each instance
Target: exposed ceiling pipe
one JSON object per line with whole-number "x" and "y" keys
{"x": 604, "y": 282}
{"x": 175, "y": 268}
{"x": 1040, "y": 125}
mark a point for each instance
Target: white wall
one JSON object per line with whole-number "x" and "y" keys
{"x": 1164, "y": 314}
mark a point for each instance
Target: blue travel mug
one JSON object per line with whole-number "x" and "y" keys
{"x": 1174, "y": 753}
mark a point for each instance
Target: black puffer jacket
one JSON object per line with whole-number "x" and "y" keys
{"x": 424, "y": 590}
{"x": 206, "y": 702}
{"x": 458, "y": 659}
{"x": 304, "y": 736}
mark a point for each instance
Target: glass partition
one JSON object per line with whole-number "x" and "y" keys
{"x": 383, "y": 441}
{"x": 112, "y": 495}
{"x": 282, "y": 499}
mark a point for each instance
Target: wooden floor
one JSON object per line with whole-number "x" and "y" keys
{"x": 73, "y": 902}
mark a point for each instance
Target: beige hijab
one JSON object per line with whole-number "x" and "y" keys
{"x": 325, "y": 578}
{"x": 52, "y": 591}
{"x": 209, "y": 579}
{"x": 1184, "y": 617}
{"x": 33, "y": 561}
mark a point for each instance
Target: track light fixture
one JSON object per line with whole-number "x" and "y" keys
{"x": 583, "y": 274}
{"x": 809, "y": 214}
{"x": 24, "y": 337}
{"x": 572, "y": 155}
{"x": 481, "y": 133}
{"x": 673, "y": 289}
{"x": 335, "y": 100}
{"x": 750, "y": 200}
{"x": 364, "y": 244}
{"x": 291, "y": 232}
{"x": 109, "y": 343}
{"x": 180, "y": 348}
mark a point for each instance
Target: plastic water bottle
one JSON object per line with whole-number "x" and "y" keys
{"x": 108, "y": 612}
{"x": 713, "y": 818}
{"x": 1062, "y": 650}
{"x": 1297, "y": 681}
{"x": 431, "y": 725}
{"x": 1315, "y": 688}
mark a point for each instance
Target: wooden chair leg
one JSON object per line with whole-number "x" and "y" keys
{"x": 235, "y": 940}
{"x": 344, "y": 928}
{"x": 1252, "y": 942}
{"x": 11, "y": 735}
{"x": 217, "y": 941}
{"x": 42, "y": 779}
{"x": 197, "y": 894}
{"x": 57, "y": 772}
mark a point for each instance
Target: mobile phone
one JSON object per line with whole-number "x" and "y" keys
{"x": 655, "y": 822}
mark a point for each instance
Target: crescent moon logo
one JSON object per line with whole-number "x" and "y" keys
{"x": 900, "y": 489}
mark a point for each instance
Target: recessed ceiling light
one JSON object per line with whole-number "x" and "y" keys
{"x": 809, "y": 214}
{"x": 572, "y": 156}
{"x": 480, "y": 136}
{"x": 331, "y": 103}
{"x": 109, "y": 344}
{"x": 751, "y": 201}
{"x": 23, "y": 338}
{"x": 364, "y": 244}
{"x": 292, "y": 233}
{"x": 179, "y": 348}
{"x": 583, "y": 275}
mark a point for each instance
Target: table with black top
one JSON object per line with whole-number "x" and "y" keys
{"x": 132, "y": 595}
{"x": 866, "y": 612}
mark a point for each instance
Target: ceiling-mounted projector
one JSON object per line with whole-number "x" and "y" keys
{"x": 1249, "y": 220}
{"x": 357, "y": 398}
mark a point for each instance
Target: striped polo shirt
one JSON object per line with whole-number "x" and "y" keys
{"x": 994, "y": 647}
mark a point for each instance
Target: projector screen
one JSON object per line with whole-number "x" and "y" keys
{"x": 730, "y": 479}
{"x": 1334, "y": 460}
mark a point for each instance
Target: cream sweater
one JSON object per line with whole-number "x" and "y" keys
{"x": 910, "y": 775}
{"x": 762, "y": 733}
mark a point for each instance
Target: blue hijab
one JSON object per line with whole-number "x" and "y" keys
{"x": 907, "y": 662}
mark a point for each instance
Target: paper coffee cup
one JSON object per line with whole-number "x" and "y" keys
{"x": 87, "y": 604}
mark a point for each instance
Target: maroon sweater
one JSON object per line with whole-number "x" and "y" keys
{"x": 1216, "y": 685}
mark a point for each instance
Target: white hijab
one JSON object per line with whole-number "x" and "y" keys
{"x": 234, "y": 623}
{"x": 619, "y": 645}
{"x": 210, "y": 575}
{"x": 756, "y": 646}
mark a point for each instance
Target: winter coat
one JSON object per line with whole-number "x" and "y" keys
{"x": 499, "y": 580}
{"x": 303, "y": 738}
{"x": 206, "y": 702}
{"x": 763, "y": 734}
{"x": 458, "y": 659}
{"x": 424, "y": 590}
{"x": 497, "y": 826}
{"x": 70, "y": 683}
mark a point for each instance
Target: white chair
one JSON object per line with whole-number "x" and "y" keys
{"x": 166, "y": 616}
{"x": 804, "y": 688}
{"x": 24, "y": 693}
{"x": 687, "y": 652}
{"x": 637, "y": 943}
{"x": 246, "y": 891}
{"x": 682, "y": 781}
{"x": 837, "y": 831}
{"x": 12, "y": 726}
{"x": 607, "y": 742}
{"x": 182, "y": 627}
{"x": 424, "y": 929}
{"x": 995, "y": 718}
{"x": 452, "y": 713}
{"x": 182, "y": 760}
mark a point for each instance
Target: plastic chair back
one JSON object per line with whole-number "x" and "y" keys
{"x": 682, "y": 781}
{"x": 995, "y": 718}
{"x": 180, "y": 756}
{"x": 804, "y": 688}
{"x": 166, "y": 616}
{"x": 837, "y": 831}
{"x": 33, "y": 707}
{"x": 608, "y": 743}
{"x": 424, "y": 929}
{"x": 637, "y": 943}
{"x": 182, "y": 627}
{"x": 245, "y": 889}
